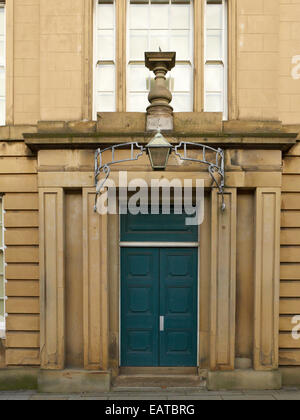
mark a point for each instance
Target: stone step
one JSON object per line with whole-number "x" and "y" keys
{"x": 159, "y": 371}
{"x": 158, "y": 381}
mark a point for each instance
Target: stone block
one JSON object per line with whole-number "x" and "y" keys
{"x": 162, "y": 122}
{"x": 242, "y": 126}
{"x": 4, "y": 132}
{"x": 51, "y": 126}
{"x": 198, "y": 122}
{"x": 73, "y": 381}
{"x": 22, "y": 379}
{"x": 290, "y": 376}
{"x": 243, "y": 363}
{"x": 82, "y": 126}
{"x": 244, "y": 380}
{"x": 121, "y": 122}
{"x": 17, "y": 131}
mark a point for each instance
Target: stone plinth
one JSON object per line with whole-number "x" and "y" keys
{"x": 160, "y": 112}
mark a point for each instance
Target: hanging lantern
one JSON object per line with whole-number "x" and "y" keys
{"x": 159, "y": 150}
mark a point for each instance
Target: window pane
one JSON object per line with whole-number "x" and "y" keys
{"x": 2, "y": 21}
{"x": 2, "y": 111}
{"x": 214, "y": 16}
{"x": 181, "y": 76}
{"x": 137, "y": 102}
{"x": 138, "y": 45}
{"x": 1, "y": 263}
{"x": 104, "y": 86}
{"x": 105, "y": 16}
{"x": 214, "y": 78}
{"x": 2, "y": 294}
{"x": 2, "y": 318}
{"x": 2, "y": 51}
{"x": 105, "y": 78}
{"x": 159, "y": 16}
{"x": 2, "y": 82}
{"x": 180, "y": 42}
{"x": 213, "y": 102}
{"x": 159, "y": 39}
{"x": 139, "y": 16}
{"x": 180, "y": 16}
{"x": 182, "y": 102}
{"x": 166, "y": 25}
{"x": 138, "y": 78}
{"x": 106, "y": 47}
{"x": 105, "y": 102}
{"x": 214, "y": 48}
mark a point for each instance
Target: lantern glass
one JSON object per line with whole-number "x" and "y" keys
{"x": 159, "y": 157}
{"x": 159, "y": 150}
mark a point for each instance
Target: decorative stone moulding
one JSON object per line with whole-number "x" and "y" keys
{"x": 160, "y": 112}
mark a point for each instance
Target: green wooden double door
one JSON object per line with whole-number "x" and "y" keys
{"x": 159, "y": 296}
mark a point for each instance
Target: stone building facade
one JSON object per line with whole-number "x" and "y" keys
{"x": 73, "y": 80}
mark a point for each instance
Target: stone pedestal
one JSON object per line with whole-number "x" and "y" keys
{"x": 160, "y": 112}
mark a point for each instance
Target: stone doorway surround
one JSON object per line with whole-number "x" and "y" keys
{"x": 253, "y": 162}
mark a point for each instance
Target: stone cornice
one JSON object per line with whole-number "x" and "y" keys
{"x": 65, "y": 140}
{"x": 115, "y": 128}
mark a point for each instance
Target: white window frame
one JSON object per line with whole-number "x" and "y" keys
{"x": 96, "y": 61}
{"x": 169, "y": 76}
{"x": 2, "y": 250}
{"x": 223, "y": 61}
{"x": 206, "y": 62}
{"x": 3, "y": 65}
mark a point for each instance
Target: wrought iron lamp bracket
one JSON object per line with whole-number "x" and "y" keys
{"x": 215, "y": 167}
{"x": 136, "y": 151}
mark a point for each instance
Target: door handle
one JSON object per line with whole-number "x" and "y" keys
{"x": 162, "y": 324}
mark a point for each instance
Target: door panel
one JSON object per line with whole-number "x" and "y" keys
{"x": 178, "y": 303}
{"x": 157, "y": 227}
{"x": 140, "y": 307}
{"x": 159, "y": 282}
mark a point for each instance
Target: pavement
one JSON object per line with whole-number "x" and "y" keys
{"x": 288, "y": 394}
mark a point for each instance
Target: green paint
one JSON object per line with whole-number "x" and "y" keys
{"x": 159, "y": 282}
{"x": 157, "y": 228}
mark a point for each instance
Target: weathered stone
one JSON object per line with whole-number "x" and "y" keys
{"x": 243, "y": 363}
{"x": 244, "y": 379}
{"x": 4, "y": 132}
{"x": 160, "y": 96}
{"x": 121, "y": 122}
{"x": 51, "y": 126}
{"x": 163, "y": 122}
{"x": 198, "y": 122}
{"x": 290, "y": 376}
{"x": 73, "y": 381}
{"x": 18, "y": 379}
{"x": 82, "y": 126}
{"x": 242, "y": 126}
{"x": 17, "y": 131}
